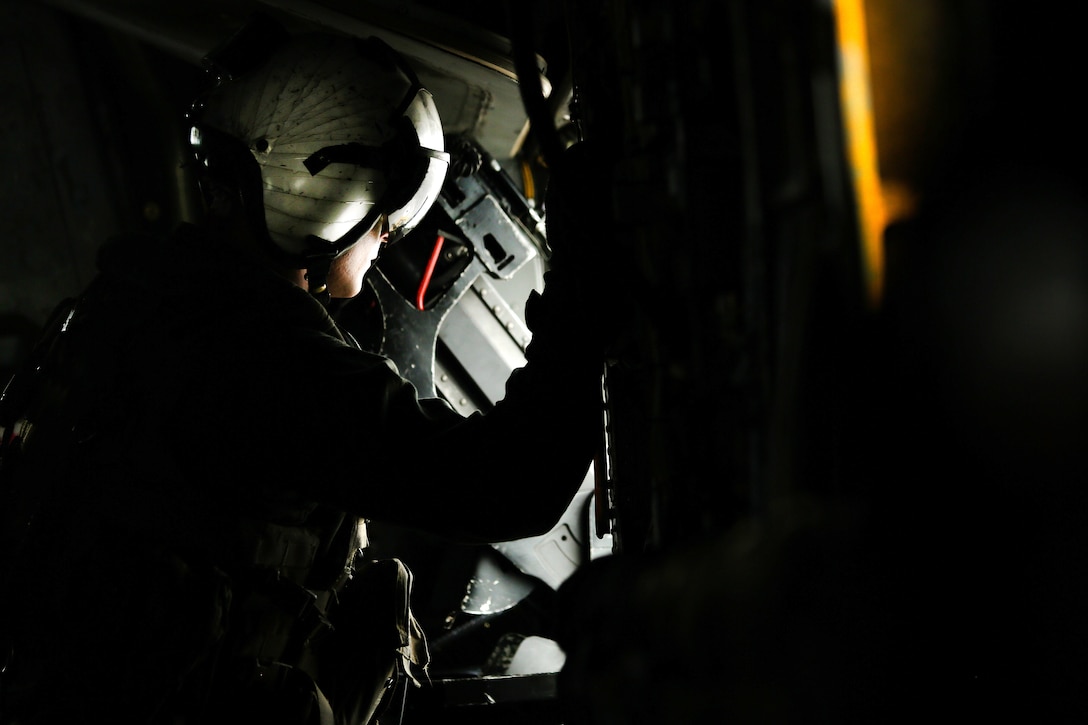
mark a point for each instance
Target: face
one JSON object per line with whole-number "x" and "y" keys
{"x": 348, "y": 270}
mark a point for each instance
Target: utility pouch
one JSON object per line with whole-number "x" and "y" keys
{"x": 376, "y": 643}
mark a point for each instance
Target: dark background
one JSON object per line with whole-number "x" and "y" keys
{"x": 830, "y": 512}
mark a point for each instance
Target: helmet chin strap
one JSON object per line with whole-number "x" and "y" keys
{"x": 317, "y": 276}
{"x": 321, "y": 253}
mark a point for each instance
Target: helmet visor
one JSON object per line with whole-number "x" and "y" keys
{"x": 423, "y": 115}
{"x": 405, "y": 219}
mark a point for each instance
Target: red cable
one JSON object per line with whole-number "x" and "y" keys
{"x": 426, "y": 281}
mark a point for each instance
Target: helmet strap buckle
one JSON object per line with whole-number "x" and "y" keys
{"x": 317, "y": 274}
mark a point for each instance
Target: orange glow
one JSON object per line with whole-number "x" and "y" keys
{"x": 900, "y": 201}
{"x": 857, "y": 108}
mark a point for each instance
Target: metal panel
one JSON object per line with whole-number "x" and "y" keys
{"x": 468, "y": 71}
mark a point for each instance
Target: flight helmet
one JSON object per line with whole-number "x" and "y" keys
{"x": 319, "y": 135}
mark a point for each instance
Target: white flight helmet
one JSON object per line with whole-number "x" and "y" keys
{"x": 339, "y": 129}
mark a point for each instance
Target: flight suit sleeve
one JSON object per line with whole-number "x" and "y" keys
{"x": 276, "y": 415}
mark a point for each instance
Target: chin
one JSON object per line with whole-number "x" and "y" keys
{"x": 346, "y": 290}
{"x": 345, "y": 294}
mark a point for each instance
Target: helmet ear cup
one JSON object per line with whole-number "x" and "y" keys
{"x": 223, "y": 162}
{"x": 230, "y": 180}
{"x": 405, "y": 166}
